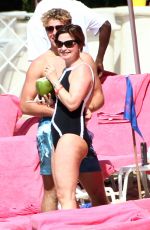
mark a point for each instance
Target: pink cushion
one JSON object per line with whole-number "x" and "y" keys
{"x": 9, "y": 113}
{"x": 124, "y": 216}
{"x": 21, "y": 186}
{"x": 16, "y": 223}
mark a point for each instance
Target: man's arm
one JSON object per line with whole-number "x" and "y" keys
{"x": 29, "y": 93}
{"x": 98, "y": 97}
{"x": 104, "y": 37}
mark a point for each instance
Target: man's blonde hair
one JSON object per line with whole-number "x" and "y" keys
{"x": 56, "y": 14}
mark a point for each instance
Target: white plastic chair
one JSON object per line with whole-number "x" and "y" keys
{"x": 125, "y": 172}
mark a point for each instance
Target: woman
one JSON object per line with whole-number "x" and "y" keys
{"x": 89, "y": 167}
{"x": 73, "y": 89}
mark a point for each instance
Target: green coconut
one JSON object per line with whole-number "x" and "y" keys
{"x": 44, "y": 86}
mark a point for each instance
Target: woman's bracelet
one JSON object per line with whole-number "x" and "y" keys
{"x": 56, "y": 84}
{"x": 58, "y": 89}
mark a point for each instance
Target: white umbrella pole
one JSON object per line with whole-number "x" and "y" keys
{"x": 134, "y": 37}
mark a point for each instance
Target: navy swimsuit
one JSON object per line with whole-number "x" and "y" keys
{"x": 64, "y": 121}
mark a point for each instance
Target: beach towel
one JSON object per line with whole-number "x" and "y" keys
{"x": 114, "y": 89}
{"x": 21, "y": 186}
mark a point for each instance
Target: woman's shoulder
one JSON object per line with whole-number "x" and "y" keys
{"x": 86, "y": 57}
{"x": 83, "y": 69}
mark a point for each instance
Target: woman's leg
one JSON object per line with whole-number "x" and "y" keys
{"x": 69, "y": 152}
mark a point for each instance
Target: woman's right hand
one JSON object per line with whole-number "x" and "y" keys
{"x": 51, "y": 74}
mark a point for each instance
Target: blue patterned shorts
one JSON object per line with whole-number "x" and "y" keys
{"x": 44, "y": 144}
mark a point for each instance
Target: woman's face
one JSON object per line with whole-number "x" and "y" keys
{"x": 51, "y": 29}
{"x": 67, "y": 47}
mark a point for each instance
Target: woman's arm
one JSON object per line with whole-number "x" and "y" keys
{"x": 80, "y": 81}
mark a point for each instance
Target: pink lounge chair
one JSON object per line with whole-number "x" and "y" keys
{"x": 21, "y": 183}
{"x": 112, "y": 134}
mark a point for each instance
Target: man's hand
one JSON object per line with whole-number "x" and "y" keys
{"x": 46, "y": 100}
{"x": 100, "y": 68}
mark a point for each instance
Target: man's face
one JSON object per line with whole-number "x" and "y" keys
{"x": 51, "y": 29}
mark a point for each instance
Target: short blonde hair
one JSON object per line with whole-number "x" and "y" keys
{"x": 56, "y": 14}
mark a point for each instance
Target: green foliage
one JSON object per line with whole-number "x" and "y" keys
{"x": 103, "y": 3}
{"x": 28, "y": 5}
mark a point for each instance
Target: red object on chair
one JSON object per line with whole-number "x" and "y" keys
{"x": 106, "y": 74}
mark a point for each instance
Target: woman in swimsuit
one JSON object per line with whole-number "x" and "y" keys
{"x": 73, "y": 93}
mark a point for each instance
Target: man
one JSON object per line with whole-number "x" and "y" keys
{"x": 95, "y": 187}
{"x": 38, "y": 41}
